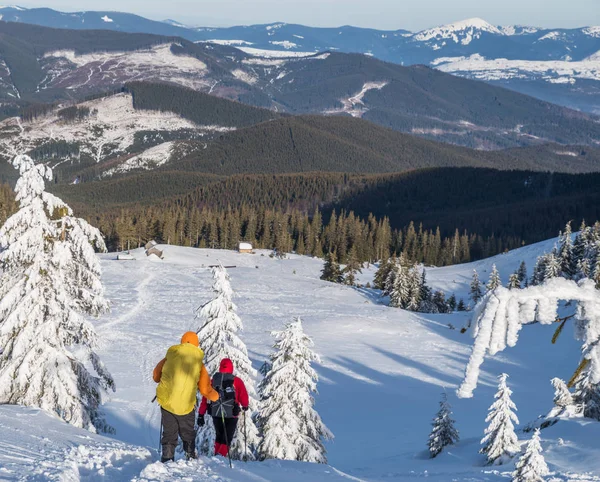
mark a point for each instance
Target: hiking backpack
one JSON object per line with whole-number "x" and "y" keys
{"x": 224, "y": 406}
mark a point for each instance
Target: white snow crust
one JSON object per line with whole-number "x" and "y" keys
{"x": 501, "y": 69}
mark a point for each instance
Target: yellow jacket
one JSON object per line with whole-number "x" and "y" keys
{"x": 179, "y": 375}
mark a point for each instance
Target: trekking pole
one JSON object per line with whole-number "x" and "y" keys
{"x": 245, "y": 440}
{"x": 226, "y": 438}
{"x": 160, "y": 441}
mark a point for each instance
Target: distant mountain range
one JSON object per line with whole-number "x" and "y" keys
{"x": 40, "y": 64}
{"x": 558, "y": 65}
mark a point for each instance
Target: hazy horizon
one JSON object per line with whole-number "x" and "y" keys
{"x": 380, "y": 14}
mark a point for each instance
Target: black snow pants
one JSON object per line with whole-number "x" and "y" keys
{"x": 174, "y": 426}
{"x": 230, "y": 426}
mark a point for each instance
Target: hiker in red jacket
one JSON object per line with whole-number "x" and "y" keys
{"x": 225, "y": 411}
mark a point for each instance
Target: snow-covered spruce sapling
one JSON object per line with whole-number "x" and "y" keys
{"x": 522, "y": 272}
{"x": 531, "y": 467}
{"x": 514, "y": 282}
{"x": 219, "y": 339}
{"x": 500, "y": 443}
{"x": 563, "y": 398}
{"x": 331, "y": 269}
{"x": 475, "y": 291}
{"x": 443, "y": 433}
{"x": 565, "y": 252}
{"x": 552, "y": 268}
{"x": 50, "y": 279}
{"x": 352, "y": 268}
{"x": 291, "y": 427}
{"x": 414, "y": 289}
{"x": 494, "y": 280}
{"x": 399, "y": 290}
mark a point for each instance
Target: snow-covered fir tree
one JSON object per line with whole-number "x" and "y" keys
{"x": 452, "y": 303}
{"x": 425, "y": 289}
{"x": 382, "y": 273}
{"x": 352, "y": 268}
{"x": 586, "y": 395}
{"x": 394, "y": 268}
{"x": 414, "y": 289}
{"x": 439, "y": 300}
{"x": 292, "y": 429}
{"x": 578, "y": 252}
{"x": 563, "y": 398}
{"x": 400, "y": 287}
{"x": 539, "y": 270}
{"x": 552, "y": 267}
{"x": 475, "y": 292}
{"x": 596, "y": 272}
{"x": 522, "y": 272}
{"x": 500, "y": 443}
{"x": 531, "y": 467}
{"x": 582, "y": 270}
{"x": 331, "y": 269}
{"x": 219, "y": 339}
{"x": 461, "y": 305}
{"x": 565, "y": 252}
{"x": 50, "y": 279}
{"x": 514, "y": 282}
{"x": 444, "y": 433}
{"x": 494, "y": 280}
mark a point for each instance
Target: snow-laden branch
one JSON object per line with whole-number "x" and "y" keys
{"x": 499, "y": 316}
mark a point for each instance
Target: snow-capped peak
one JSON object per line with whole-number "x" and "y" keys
{"x": 513, "y": 30}
{"x": 592, "y": 31}
{"x": 13, "y": 7}
{"x": 464, "y": 31}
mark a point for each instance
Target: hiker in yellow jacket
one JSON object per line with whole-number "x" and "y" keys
{"x": 179, "y": 376}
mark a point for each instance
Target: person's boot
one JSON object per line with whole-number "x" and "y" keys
{"x": 217, "y": 448}
{"x": 168, "y": 453}
{"x": 223, "y": 449}
{"x": 190, "y": 450}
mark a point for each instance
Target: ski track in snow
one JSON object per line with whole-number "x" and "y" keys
{"x": 382, "y": 373}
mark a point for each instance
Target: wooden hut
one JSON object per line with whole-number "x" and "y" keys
{"x": 245, "y": 248}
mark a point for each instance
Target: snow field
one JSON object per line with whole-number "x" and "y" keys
{"x": 382, "y": 374}
{"x": 396, "y": 360}
{"x": 500, "y": 69}
{"x": 157, "y": 61}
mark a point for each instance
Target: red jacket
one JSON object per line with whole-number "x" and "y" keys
{"x": 241, "y": 394}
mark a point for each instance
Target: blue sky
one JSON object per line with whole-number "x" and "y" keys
{"x": 383, "y": 14}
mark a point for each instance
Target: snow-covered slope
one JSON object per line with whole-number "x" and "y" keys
{"x": 382, "y": 375}
{"x": 158, "y": 63}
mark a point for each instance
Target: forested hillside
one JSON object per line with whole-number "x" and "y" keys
{"x": 499, "y": 209}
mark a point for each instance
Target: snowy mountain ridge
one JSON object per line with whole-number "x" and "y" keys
{"x": 460, "y": 32}
{"x": 458, "y": 39}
